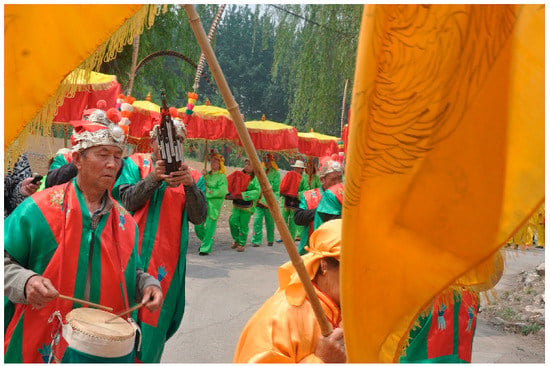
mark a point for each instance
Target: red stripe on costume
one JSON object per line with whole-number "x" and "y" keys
{"x": 440, "y": 341}
{"x": 465, "y": 328}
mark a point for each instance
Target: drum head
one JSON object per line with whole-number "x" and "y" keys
{"x": 98, "y": 323}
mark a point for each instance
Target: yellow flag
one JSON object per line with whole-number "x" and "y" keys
{"x": 45, "y": 43}
{"x": 445, "y": 159}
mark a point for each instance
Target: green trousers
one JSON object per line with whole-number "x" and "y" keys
{"x": 205, "y": 232}
{"x": 238, "y": 225}
{"x": 288, "y": 217}
{"x": 259, "y": 215}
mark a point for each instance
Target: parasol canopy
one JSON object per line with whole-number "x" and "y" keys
{"x": 317, "y": 144}
{"x": 144, "y": 116}
{"x": 272, "y": 136}
{"x": 40, "y": 53}
{"x": 209, "y": 123}
{"x": 89, "y": 89}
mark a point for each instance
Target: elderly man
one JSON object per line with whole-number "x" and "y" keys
{"x": 330, "y": 176}
{"x": 161, "y": 204}
{"x": 71, "y": 239}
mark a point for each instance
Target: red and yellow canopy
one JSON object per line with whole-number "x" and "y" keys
{"x": 317, "y": 144}
{"x": 272, "y": 136}
{"x": 209, "y": 123}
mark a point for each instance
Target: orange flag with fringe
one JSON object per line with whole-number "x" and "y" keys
{"x": 445, "y": 158}
{"x": 45, "y": 43}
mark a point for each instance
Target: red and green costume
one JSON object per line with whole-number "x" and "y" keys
{"x": 51, "y": 234}
{"x": 289, "y": 190}
{"x": 306, "y": 184}
{"x": 309, "y": 200}
{"x": 330, "y": 204}
{"x": 163, "y": 239}
{"x": 446, "y": 334}
{"x": 60, "y": 160}
{"x": 262, "y": 211}
{"x": 243, "y": 208}
{"x": 215, "y": 191}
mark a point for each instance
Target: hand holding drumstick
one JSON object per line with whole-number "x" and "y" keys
{"x": 152, "y": 298}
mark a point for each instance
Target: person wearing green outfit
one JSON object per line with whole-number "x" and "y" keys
{"x": 214, "y": 185}
{"x": 76, "y": 240}
{"x": 310, "y": 180}
{"x": 274, "y": 178}
{"x": 331, "y": 174}
{"x": 162, "y": 204}
{"x": 289, "y": 191}
{"x": 243, "y": 203}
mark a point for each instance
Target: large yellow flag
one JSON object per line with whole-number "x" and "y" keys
{"x": 45, "y": 43}
{"x": 445, "y": 159}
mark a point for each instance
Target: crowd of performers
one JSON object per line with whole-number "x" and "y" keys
{"x": 114, "y": 230}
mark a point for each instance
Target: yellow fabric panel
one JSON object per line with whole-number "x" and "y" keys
{"x": 266, "y": 125}
{"x": 84, "y": 80}
{"x": 44, "y": 43}
{"x": 445, "y": 158}
{"x": 146, "y": 105}
{"x": 316, "y": 136}
{"x": 206, "y": 111}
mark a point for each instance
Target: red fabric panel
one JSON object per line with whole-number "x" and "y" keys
{"x": 440, "y": 341}
{"x": 338, "y": 191}
{"x": 290, "y": 184}
{"x": 141, "y": 122}
{"x": 237, "y": 182}
{"x": 465, "y": 330}
{"x": 73, "y": 108}
{"x": 318, "y": 148}
{"x": 274, "y": 140}
{"x": 220, "y": 128}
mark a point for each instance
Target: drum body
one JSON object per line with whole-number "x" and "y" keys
{"x": 93, "y": 336}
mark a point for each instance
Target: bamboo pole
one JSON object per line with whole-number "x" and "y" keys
{"x": 135, "y": 50}
{"x": 343, "y": 108}
{"x": 233, "y": 108}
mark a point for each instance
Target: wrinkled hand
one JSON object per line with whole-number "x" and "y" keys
{"x": 160, "y": 170}
{"x": 181, "y": 176}
{"x": 331, "y": 349}
{"x": 27, "y": 188}
{"x": 152, "y": 298}
{"x": 39, "y": 291}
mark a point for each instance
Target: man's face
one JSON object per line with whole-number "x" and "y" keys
{"x": 331, "y": 179}
{"x": 214, "y": 164}
{"x": 299, "y": 170}
{"x": 248, "y": 167}
{"x": 98, "y": 166}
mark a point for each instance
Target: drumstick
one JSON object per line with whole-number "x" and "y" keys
{"x": 84, "y": 302}
{"x": 127, "y": 311}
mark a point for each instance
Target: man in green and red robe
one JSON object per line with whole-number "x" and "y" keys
{"x": 289, "y": 190}
{"x": 161, "y": 205}
{"x": 262, "y": 211}
{"x": 76, "y": 240}
{"x": 331, "y": 174}
{"x": 243, "y": 203}
{"x": 214, "y": 185}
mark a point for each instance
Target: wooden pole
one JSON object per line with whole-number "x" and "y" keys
{"x": 135, "y": 51}
{"x": 84, "y": 302}
{"x": 343, "y": 108}
{"x": 267, "y": 191}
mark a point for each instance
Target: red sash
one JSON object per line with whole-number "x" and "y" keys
{"x": 290, "y": 184}
{"x": 237, "y": 182}
{"x": 165, "y": 254}
{"x": 63, "y": 265}
{"x": 338, "y": 191}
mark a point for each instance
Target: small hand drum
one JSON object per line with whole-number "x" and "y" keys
{"x": 94, "y": 332}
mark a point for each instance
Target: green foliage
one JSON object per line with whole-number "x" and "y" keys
{"x": 530, "y": 328}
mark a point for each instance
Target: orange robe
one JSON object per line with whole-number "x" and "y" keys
{"x": 283, "y": 333}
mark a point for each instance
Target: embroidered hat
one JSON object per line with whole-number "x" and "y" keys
{"x": 87, "y": 134}
{"x": 330, "y": 166}
{"x": 221, "y": 160}
{"x": 298, "y": 164}
{"x": 324, "y": 242}
{"x": 269, "y": 158}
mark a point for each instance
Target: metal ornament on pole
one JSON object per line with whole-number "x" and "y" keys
{"x": 267, "y": 191}
{"x": 170, "y": 146}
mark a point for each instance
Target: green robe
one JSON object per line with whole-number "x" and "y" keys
{"x": 305, "y": 186}
{"x": 331, "y": 203}
{"x": 163, "y": 230}
{"x": 262, "y": 211}
{"x": 215, "y": 191}
{"x": 240, "y": 216}
{"x": 51, "y": 233}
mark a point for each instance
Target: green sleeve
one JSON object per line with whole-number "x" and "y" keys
{"x": 304, "y": 185}
{"x": 252, "y": 192}
{"x": 201, "y": 185}
{"x": 58, "y": 161}
{"x": 329, "y": 204}
{"x": 129, "y": 175}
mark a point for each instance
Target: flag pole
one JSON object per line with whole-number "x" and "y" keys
{"x": 233, "y": 108}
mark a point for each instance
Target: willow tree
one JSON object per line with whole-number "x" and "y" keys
{"x": 315, "y": 54}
